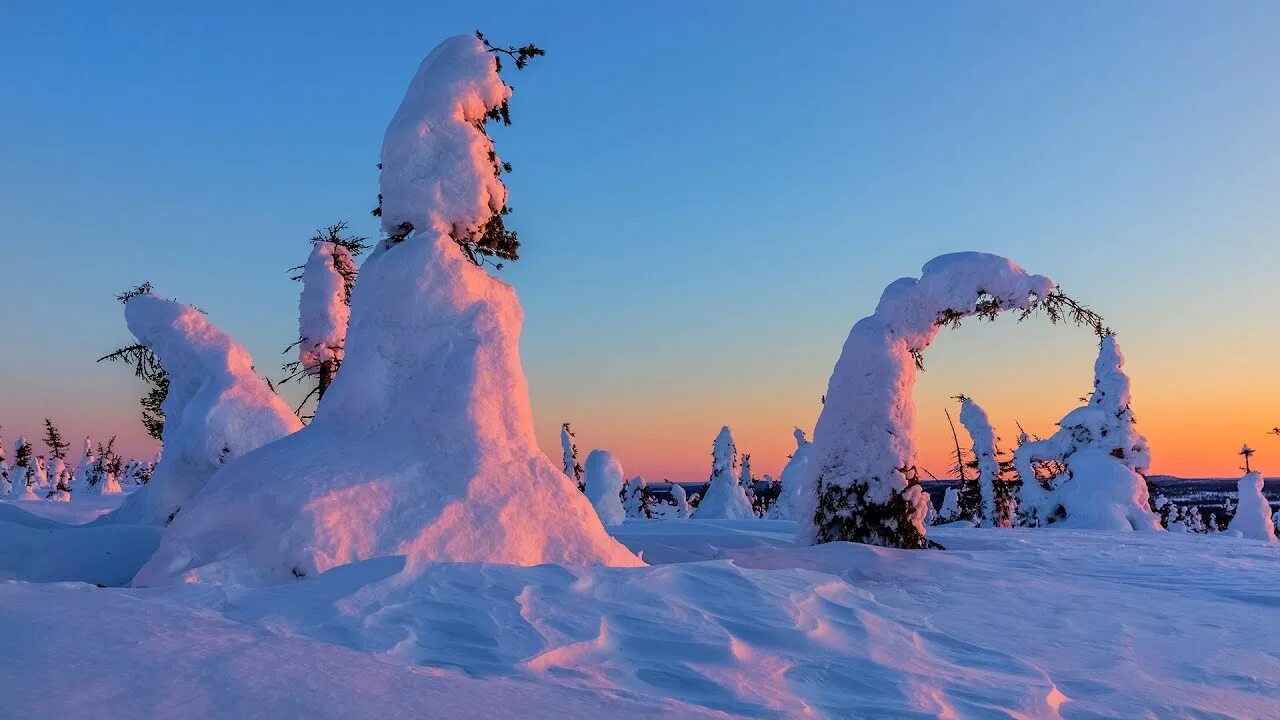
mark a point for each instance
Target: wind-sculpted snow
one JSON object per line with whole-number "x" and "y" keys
{"x": 217, "y": 408}
{"x": 604, "y": 481}
{"x": 1006, "y": 623}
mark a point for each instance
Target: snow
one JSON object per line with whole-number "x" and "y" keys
{"x": 725, "y": 498}
{"x": 323, "y": 313}
{"x": 731, "y": 620}
{"x": 424, "y": 444}
{"x": 681, "y": 498}
{"x": 436, "y": 173}
{"x": 791, "y": 500}
{"x": 1253, "y": 513}
{"x": 1102, "y": 494}
{"x": 975, "y": 421}
{"x": 1104, "y": 456}
{"x": 950, "y": 509}
{"x": 217, "y": 408}
{"x": 866, "y": 431}
{"x": 605, "y": 481}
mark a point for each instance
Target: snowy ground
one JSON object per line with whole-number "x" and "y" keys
{"x": 728, "y": 620}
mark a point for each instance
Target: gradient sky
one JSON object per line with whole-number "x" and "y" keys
{"x": 708, "y": 196}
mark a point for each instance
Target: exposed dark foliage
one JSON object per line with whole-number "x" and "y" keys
{"x": 53, "y": 439}
{"x": 845, "y": 514}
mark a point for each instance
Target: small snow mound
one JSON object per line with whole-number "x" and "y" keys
{"x": 1103, "y": 494}
{"x": 1253, "y": 518}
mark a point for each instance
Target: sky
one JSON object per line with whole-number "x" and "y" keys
{"x": 708, "y": 195}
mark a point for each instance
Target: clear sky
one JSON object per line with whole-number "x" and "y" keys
{"x": 708, "y": 196}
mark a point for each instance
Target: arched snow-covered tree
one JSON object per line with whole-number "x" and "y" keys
{"x": 1105, "y": 460}
{"x": 605, "y": 486}
{"x": 997, "y": 507}
{"x": 724, "y": 498}
{"x": 864, "y": 479}
{"x": 790, "y": 504}
{"x": 1253, "y": 513}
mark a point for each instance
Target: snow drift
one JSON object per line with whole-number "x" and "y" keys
{"x": 217, "y": 408}
{"x": 424, "y": 444}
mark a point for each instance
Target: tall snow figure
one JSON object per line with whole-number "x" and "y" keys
{"x": 217, "y": 408}
{"x": 1105, "y": 459}
{"x": 725, "y": 498}
{"x": 790, "y": 504}
{"x": 424, "y": 444}
{"x": 328, "y": 278}
{"x": 864, "y": 484}
{"x": 1253, "y": 513}
{"x": 997, "y": 506}
{"x": 604, "y": 484}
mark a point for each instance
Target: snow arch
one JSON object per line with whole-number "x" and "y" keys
{"x": 861, "y": 484}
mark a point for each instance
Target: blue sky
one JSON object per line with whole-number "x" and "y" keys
{"x": 709, "y": 195}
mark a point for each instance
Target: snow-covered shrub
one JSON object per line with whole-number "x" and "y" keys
{"x": 790, "y": 503}
{"x": 569, "y": 457}
{"x": 1090, "y": 493}
{"x": 216, "y": 409}
{"x": 950, "y": 510}
{"x": 1253, "y": 513}
{"x": 997, "y": 507}
{"x": 22, "y": 473}
{"x": 724, "y": 498}
{"x": 636, "y": 499}
{"x": 605, "y": 486}
{"x": 681, "y": 501}
{"x": 864, "y": 481}
{"x": 424, "y": 444}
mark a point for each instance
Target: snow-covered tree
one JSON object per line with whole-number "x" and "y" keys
{"x": 605, "y": 484}
{"x": 724, "y": 498}
{"x": 864, "y": 478}
{"x": 1252, "y": 518}
{"x": 216, "y": 407}
{"x": 569, "y": 457}
{"x": 429, "y": 418}
{"x": 996, "y": 507}
{"x": 146, "y": 365}
{"x": 21, "y": 475}
{"x": 969, "y": 495}
{"x": 324, "y": 308}
{"x": 1105, "y": 459}
{"x": 637, "y": 500}
{"x": 747, "y": 480}
{"x": 53, "y": 440}
{"x": 681, "y": 501}
{"x": 950, "y": 510}
{"x": 102, "y": 477}
{"x": 790, "y": 504}
{"x": 84, "y": 468}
